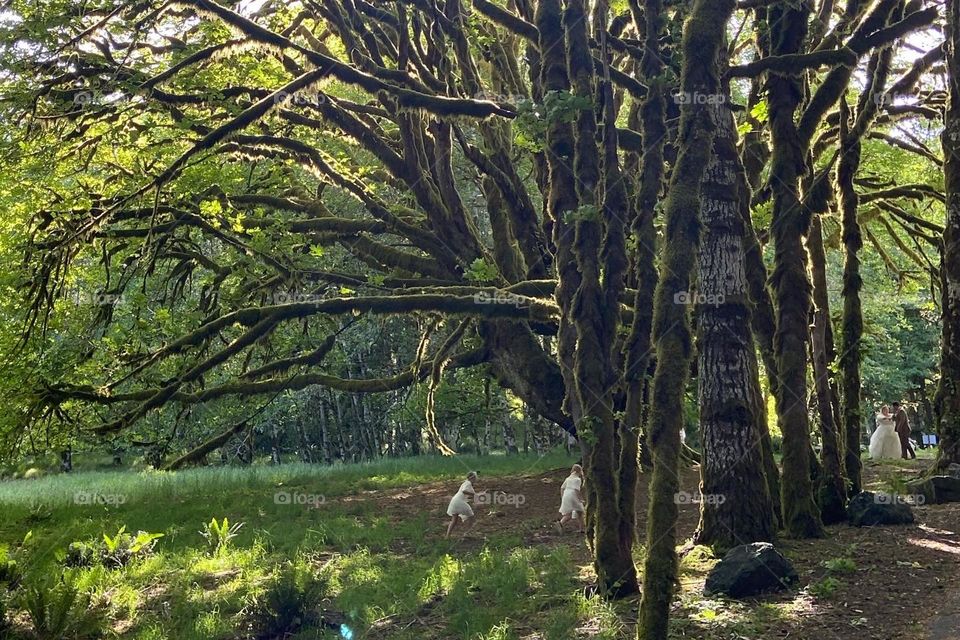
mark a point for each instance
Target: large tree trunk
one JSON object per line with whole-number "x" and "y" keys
{"x": 791, "y": 285}
{"x": 948, "y": 394}
{"x": 737, "y": 508}
{"x": 702, "y": 39}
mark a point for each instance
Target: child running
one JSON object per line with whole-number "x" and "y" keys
{"x": 571, "y": 503}
{"x": 459, "y": 508}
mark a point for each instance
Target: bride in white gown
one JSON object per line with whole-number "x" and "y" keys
{"x": 884, "y": 443}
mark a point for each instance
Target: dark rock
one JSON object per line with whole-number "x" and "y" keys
{"x": 937, "y": 489}
{"x": 945, "y": 489}
{"x": 750, "y": 569}
{"x": 868, "y": 509}
{"x": 922, "y": 491}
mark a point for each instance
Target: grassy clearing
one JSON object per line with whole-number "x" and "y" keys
{"x": 362, "y": 565}
{"x": 330, "y": 481}
{"x": 368, "y": 576}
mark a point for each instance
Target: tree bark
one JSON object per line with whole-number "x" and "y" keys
{"x": 736, "y": 507}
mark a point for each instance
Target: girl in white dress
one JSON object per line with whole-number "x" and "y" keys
{"x": 884, "y": 442}
{"x": 459, "y": 508}
{"x": 571, "y": 501}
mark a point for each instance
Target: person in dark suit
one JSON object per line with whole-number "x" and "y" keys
{"x": 903, "y": 430}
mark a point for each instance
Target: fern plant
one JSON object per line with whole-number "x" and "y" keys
{"x": 121, "y": 548}
{"x": 288, "y": 604}
{"x": 219, "y": 534}
{"x": 113, "y": 552}
{"x": 60, "y": 610}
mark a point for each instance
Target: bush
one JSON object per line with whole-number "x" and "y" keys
{"x": 287, "y": 604}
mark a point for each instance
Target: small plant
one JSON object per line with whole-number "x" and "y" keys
{"x": 123, "y": 547}
{"x": 80, "y": 554}
{"x": 113, "y": 552}
{"x": 825, "y": 588}
{"x": 840, "y": 565}
{"x": 219, "y": 534}
{"x": 287, "y": 604}
{"x": 60, "y": 610}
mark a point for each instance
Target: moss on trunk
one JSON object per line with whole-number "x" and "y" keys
{"x": 790, "y": 282}
{"x": 948, "y": 394}
{"x": 702, "y": 39}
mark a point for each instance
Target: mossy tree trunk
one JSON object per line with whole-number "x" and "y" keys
{"x": 791, "y": 284}
{"x": 948, "y": 393}
{"x": 737, "y": 508}
{"x": 852, "y": 129}
{"x": 703, "y": 35}
{"x": 649, "y": 117}
{"x": 831, "y": 488}
{"x": 600, "y": 251}
{"x": 831, "y": 494}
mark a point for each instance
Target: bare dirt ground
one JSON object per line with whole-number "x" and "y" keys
{"x": 905, "y": 585}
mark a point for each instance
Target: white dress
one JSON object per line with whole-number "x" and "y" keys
{"x": 459, "y": 505}
{"x": 885, "y": 443}
{"x": 570, "y": 503}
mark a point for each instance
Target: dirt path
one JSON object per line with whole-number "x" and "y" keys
{"x": 946, "y": 624}
{"x": 905, "y": 586}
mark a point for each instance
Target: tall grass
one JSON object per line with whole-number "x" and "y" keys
{"x": 330, "y": 480}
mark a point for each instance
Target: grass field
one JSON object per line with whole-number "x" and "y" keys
{"x": 357, "y": 551}
{"x": 366, "y": 569}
